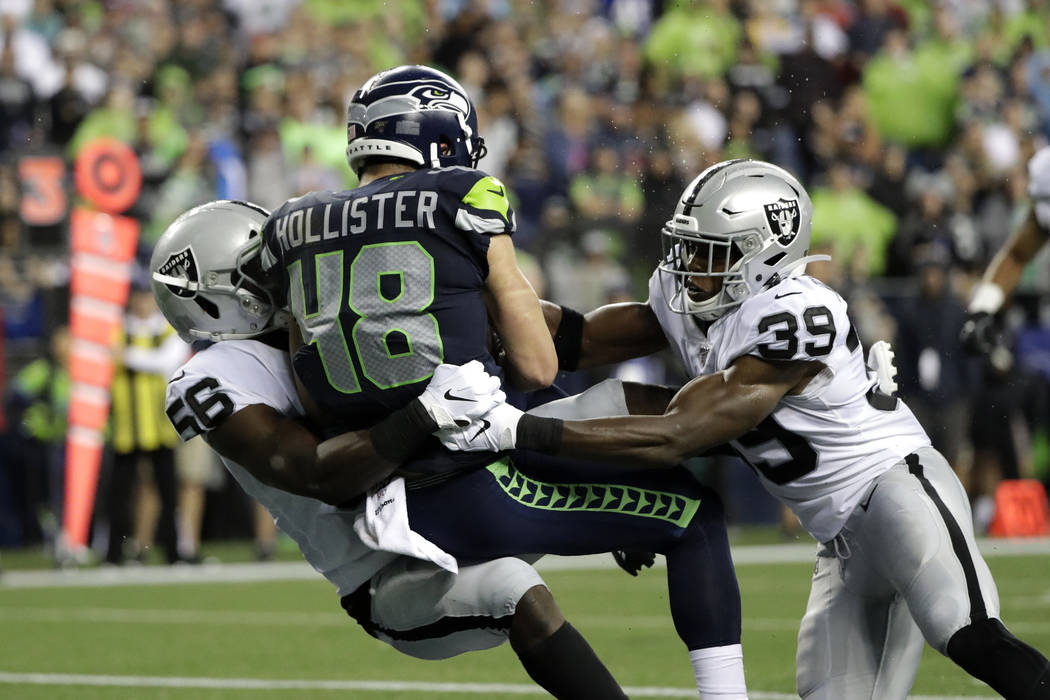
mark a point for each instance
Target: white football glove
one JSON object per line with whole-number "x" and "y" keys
{"x": 496, "y": 431}
{"x": 880, "y": 363}
{"x": 459, "y": 393}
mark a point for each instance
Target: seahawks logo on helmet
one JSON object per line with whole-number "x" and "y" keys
{"x": 438, "y": 96}
{"x": 783, "y": 218}
{"x": 181, "y": 265}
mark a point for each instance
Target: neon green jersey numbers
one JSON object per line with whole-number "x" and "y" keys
{"x": 322, "y": 328}
{"x": 390, "y": 286}
{"x": 395, "y": 340}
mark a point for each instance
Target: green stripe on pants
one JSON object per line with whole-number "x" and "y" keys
{"x": 597, "y": 498}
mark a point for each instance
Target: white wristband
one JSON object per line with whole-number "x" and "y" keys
{"x": 988, "y": 298}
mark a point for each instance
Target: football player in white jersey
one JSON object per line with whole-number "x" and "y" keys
{"x": 240, "y": 395}
{"x": 779, "y": 375}
{"x": 1004, "y": 271}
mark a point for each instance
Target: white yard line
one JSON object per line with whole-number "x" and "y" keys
{"x": 197, "y": 617}
{"x": 268, "y": 618}
{"x": 76, "y": 679}
{"x": 289, "y": 571}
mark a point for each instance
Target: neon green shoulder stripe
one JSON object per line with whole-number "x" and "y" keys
{"x": 488, "y": 193}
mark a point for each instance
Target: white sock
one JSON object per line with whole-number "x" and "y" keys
{"x": 719, "y": 672}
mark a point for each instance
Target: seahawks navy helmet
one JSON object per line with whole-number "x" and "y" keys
{"x": 413, "y": 113}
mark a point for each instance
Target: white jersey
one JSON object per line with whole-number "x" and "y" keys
{"x": 1039, "y": 185}
{"x": 232, "y": 375}
{"x": 819, "y": 450}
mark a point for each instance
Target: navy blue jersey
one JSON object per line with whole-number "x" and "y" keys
{"x": 385, "y": 282}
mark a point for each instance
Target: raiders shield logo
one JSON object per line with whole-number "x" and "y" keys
{"x": 783, "y": 219}
{"x": 181, "y": 265}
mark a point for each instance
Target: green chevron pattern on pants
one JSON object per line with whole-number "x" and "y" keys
{"x": 597, "y": 498}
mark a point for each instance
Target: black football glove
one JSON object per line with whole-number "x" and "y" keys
{"x": 980, "y": 335}
{"x": 633, "y": 560}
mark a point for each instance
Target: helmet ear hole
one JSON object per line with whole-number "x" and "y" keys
{"x": 774, "y": 259}
{"x": 207, "y": 306}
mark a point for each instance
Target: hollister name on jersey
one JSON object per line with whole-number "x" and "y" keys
{"x": 404, "y": 209}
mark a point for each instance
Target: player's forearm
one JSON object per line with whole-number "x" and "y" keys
{"x": 707, "y": 412}
{"x": 618, "y": 332}
{"x": 607, "y": 335}
{"x": 344, "y": 467}
{"x": 551, "y": 315}
{"x": 531, "y": 362}
{"x": 283, "y": 453}
{"x": 278, "y": 451}
{"x": 1008, "y": 265}
{"x": 351, "y": 463}
{"x": 630, "y": 441}
{"x": 515, "y": 312}
{"x": 348, "y": 465}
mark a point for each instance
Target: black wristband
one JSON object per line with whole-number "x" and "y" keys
{"x": 539, "y": 434}
{"x": 569, "y": 339}
{"x": 398, "y": 435}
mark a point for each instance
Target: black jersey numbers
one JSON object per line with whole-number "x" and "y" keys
{"x": 819, "y": 323}
{"x": 777, "y": 453}
{"x": 785, "y": 329}
{"x": 193, "y": 415}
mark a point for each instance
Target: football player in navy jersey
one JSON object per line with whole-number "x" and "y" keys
{"x": 403, "y": 273}
{"x": 390, "y": 280}
{"x": 780, "y": 375}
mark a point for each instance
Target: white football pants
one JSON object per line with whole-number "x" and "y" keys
{"x": 904, "y": 567}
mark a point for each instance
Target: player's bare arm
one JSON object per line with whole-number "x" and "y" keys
{"x": 706, "y": 412}
{"x": 514, "y": 310}
{"x": 283, "y": 453}
{"x": 999, "y": 281}
{"x": 979, "y": 333}
{"x": 607, "y": 335}
{"x": 1006, "y": 267}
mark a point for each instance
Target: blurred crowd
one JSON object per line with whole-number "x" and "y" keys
{"x": 910, "y": 122}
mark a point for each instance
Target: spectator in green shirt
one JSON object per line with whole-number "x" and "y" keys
{"x": 912, "y": 93}
{"x": 605, "y": 193}
{"x": 855, "y": 226}
{"x": 694, "y": 39}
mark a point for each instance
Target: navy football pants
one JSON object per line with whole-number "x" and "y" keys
{"x": 501, "y": 511}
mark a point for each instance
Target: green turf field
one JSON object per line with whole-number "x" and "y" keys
{"x": 132, "y": 641}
